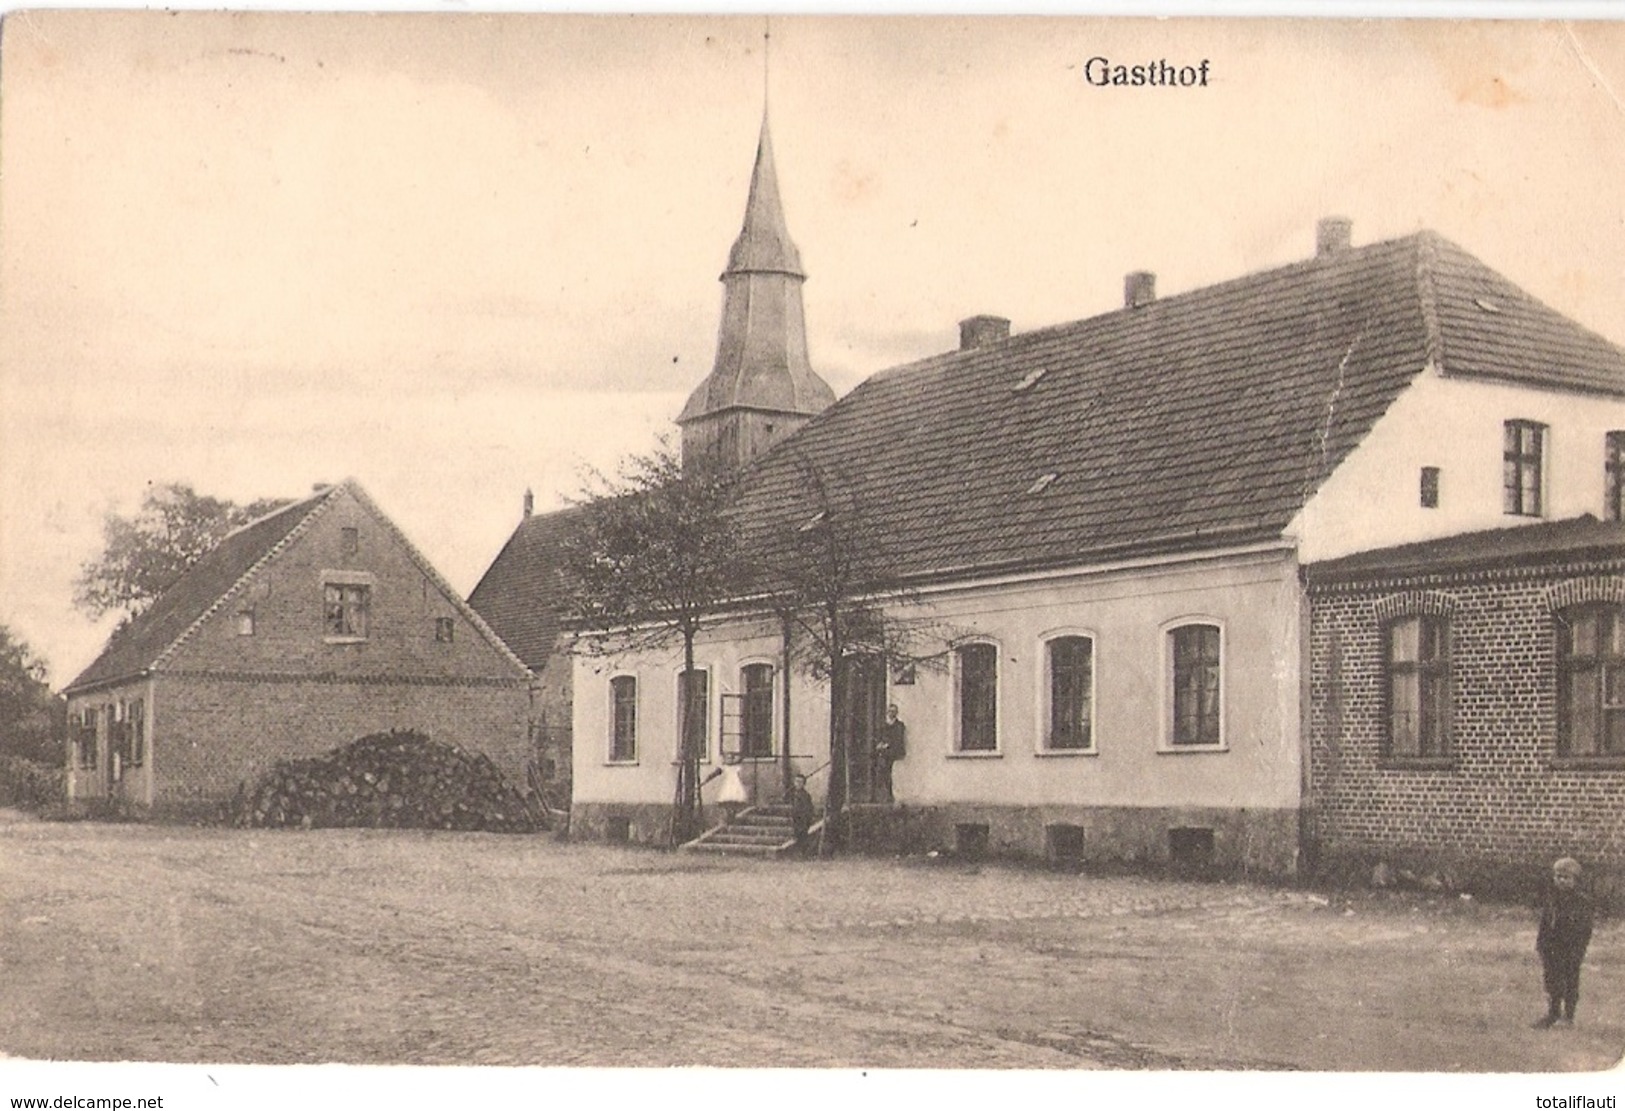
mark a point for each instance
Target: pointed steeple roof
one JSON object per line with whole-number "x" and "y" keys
{"x": 764, "y": 240}
{"x": 761, "y": 363}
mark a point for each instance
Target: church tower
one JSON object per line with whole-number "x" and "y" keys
{"x": 761, "y": 388}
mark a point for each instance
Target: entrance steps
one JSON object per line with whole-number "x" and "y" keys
{"x": 759, "y": 831}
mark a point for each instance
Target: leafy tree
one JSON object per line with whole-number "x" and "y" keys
{"x": 143, "y": 554}
{"x": 653, "y": 561}
{"x": 33, "y": 721}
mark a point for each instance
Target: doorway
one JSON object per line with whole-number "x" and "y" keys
{"x": 861, "y": 719}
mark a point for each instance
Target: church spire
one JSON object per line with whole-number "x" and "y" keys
{"x": 761, "y": 387}
{"x": 764, "y": 240}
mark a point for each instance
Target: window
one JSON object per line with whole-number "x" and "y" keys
{"x": 1430, "y": 488}
{"x": 1614, "y": 499}
{"x": 350, "y": 540}
{"x": 757, "y": 681}
{"x": 84, "y": 741}
{"x": 1418, "y": 679}
{"x": 623, "y": 719}
{"x": 695, "y": 728}
{"x": 347, "y": 605}
{"x": 1196, "y": 688}
{"x": 245, "y": 623}
{"x": 444, "y": 630}
{"x": 978, "y": 680}
{"x": 1524, "y": 445}
{"x": 1591, "y": 681}
{"x": 136, "y": 725}
{"x": 1071, "y": 694}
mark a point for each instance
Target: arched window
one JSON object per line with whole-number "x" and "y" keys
{"x": 1194, "y": 660}
{"x": 1416, "y": 665}
{"x": 1071, "y": 689}
{"x": 976, "y": 677}
{"x": 623, "y": 719}
{"x": 696, "y": 726}
{"x": 1591, "y": 681}
{"x": 756, "y": 681}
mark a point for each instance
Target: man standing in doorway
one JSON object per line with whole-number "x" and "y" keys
{"x": 893, "y": 747}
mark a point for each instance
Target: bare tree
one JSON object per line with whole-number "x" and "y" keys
{"x": 832, "y": 579}
{"x": 654, "y": 560}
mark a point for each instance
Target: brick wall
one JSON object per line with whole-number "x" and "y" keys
{"x": 1504, "y": 806}
{"x": 212, "y": 734}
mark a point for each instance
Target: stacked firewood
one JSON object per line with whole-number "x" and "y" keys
{"x": 396, "y": 780}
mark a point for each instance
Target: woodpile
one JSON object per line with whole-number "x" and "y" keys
{"x": 395, "y": 780}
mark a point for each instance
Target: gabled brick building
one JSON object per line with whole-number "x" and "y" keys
{"x": 301, "y": 631}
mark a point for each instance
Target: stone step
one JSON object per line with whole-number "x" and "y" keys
{"x": 745, "y": 837}
{"x": 747, "y": 850}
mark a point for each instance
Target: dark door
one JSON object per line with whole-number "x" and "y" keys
{"x": 865, "y": 712}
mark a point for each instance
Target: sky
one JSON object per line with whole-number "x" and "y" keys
{"x": 456, "y": 256}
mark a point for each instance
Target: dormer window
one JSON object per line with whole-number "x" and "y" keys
{"x": 1522, "y": 454}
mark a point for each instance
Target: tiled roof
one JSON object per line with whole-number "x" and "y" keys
{"x": 138, "y": 645}
{"x": 1579, "y": 539}
{"x": 523, "y": 595}
{"x": 1197, "y": 420}
{"x": 143, "y": 644}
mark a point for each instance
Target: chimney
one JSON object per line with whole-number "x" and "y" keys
{"x": 1139, "y": 288}
{"x": 530, "y": 504}
{"x": 1332, "y": 235}
{"x": 979, "y": 331}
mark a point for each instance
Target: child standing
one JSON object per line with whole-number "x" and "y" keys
{"x": 1565, "y": 931}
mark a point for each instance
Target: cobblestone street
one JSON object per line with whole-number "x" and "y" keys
{"x": 144, "y": 943}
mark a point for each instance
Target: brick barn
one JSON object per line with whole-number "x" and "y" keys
{"x": 301, "y": 631}
{"x": 1467, "y": 705}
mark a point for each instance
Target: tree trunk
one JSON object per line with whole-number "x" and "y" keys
{"x": 835, "y": 794}
{"x": 686, "y": 803}
{"x": 786, "y": 767}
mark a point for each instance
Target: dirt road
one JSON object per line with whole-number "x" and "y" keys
{"x": 127, "y": 942}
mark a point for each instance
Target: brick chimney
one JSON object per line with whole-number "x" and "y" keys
{"x": 1332, "y": 235}
{"x": 979, "y": 331}
{"x": 530, "y": 504}
{"x": 1139, "y": 288}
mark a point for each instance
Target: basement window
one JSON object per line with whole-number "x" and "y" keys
{"x": 1190, "y": 851}
{"x": 970, "y": 840}
{"x": 1065, "y": 843}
